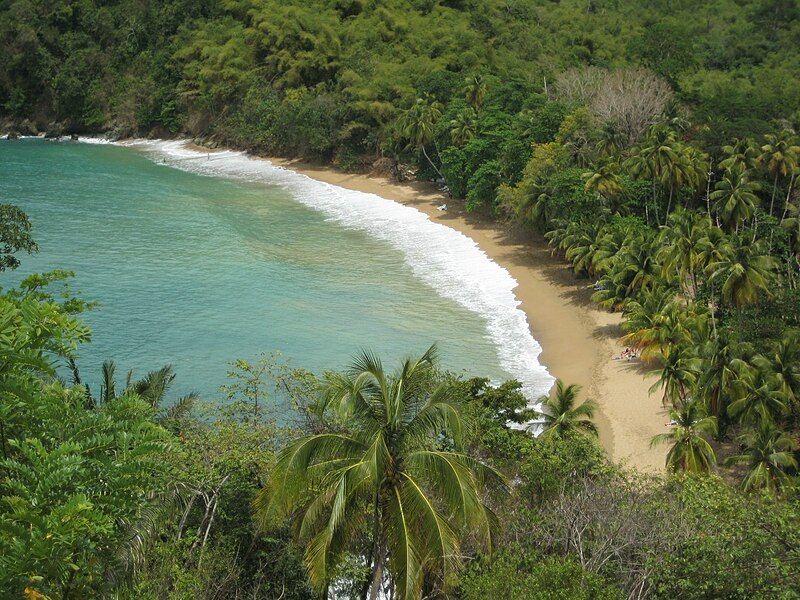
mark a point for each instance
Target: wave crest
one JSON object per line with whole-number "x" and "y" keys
{"x": 446, "y": 259}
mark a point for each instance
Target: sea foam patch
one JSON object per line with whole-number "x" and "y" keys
{"x": 447, "y": 260}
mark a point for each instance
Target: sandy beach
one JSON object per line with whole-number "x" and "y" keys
{"x": 579, "y": 341}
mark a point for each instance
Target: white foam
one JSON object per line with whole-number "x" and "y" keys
{"x": 94, "y": 140}
{"x": 446, "y": 259}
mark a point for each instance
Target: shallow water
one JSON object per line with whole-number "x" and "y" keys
{"x": 197, "y": 262}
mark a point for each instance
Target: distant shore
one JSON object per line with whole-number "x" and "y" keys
{"x": 579, "y": 341}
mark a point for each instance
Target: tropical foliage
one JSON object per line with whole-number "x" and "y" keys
{"x": 400, "y": 454}
{"x": 655, "y": 147}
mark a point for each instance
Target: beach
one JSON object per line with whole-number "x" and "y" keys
{"x": 579, "y": 340}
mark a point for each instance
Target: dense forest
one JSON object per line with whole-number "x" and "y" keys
{"x": 655, "y": 147}
{"x": 399, "y": 482}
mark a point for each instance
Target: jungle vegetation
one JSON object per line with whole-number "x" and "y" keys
{"x": 655, "y": 147}
{"x": 402, "y": 481}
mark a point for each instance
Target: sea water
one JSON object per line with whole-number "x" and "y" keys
{"x": 196, "y": 260}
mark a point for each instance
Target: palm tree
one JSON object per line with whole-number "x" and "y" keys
{"x": 654, "y": 160}
{"x": 605, "y": 180}
{"x": 152, "y": 388}
{"x": 779, "y": 156}
{"x": 690, "y": 451}
{"x": 767, "y": 455}
{"x": 475, "y": 91}
{"x": 610, "y": 240}
{"x": 633, "y": 269}
{"x": 536, "y": 208}
{"x": 645, "y": 318}
{"x": 687, "y": 171}
{"x": 417, "y": 126}
{"x": 784, "y": 364}
{"x": 463, "y": 126}
{"x": 745, "y": 270}
{"x": 792, "y": 225}
{"x": 756, "y": 395}
{"x": 683, "y": 239}
{"x": 735, "y": 198}
{"x": 677, "y": 375}
{"x": 392, "y": 466}
{"x": 582, "y": 250}
{"x": 560, "y": 415}
{"x": 723, "y": 360}
{"x": 742, "y": 153}
{"x": 611, "y": 139}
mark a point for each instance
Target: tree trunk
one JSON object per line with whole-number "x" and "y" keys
{"x": 755, "y": 231}
{"x": 376, "y": 545}
{"x": 431, "y": 163}
{"x": 655, "y": 204}
{"x": 3, "y": 439}
{"x": 186, "y": 512}
{"x": 377, "y": 575}
{"x": 669, "y": 204}
{"x": 788, "y": 197}
{"x": 774, "y": 191}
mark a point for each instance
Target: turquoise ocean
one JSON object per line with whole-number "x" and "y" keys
{"x": 196, "y": 260}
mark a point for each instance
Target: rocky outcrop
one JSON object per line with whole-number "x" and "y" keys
{"x": 54, "y": 130}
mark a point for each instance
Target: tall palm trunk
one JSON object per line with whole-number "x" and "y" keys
{"x": 377, "y": 574}
{"x": 375, "y": 561}
{"x": 774, "y": 191}
{"x": 655, "y": 205}
{"x": 438, "y": 172}
{"x": 669, "y": 204}
{"x": 788, "y": 196}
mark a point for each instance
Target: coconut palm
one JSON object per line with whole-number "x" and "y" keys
{"x": 605, "y": 180}
{"x": 582, "y": 250}
{"x": 655, "y": 159}
{"x": 742, "y": 153}
{"x": 633, "y": 269}
{"x": 745, "y": 271}
{"x": 463, "y": 127}
{"x": 153, "y": 388}
{"x": 784, "y": 363}
{"x": 756, "y": 395}
{"x": 723, "y": 360}
{"x": 611, "y": 139}
{"x": 392, "y": 468}
{"x": 475, "y": 91}
{"x": 683, "y": 240}
{"x": 712, "y": 248}
{"x": 645, "y": 319}
{"x": 691, "y": 428}
{"x": 610, "y": 240}
{"x": 560, "y": 415}
{"x": 687, "y": 171}
{"x": 417, "y": 126}
{"x": 678, "y": 374}
{"x": 768, "y": 454}
{"x": 792, "y": 225}
{"x": 735, "y": 198}
{"x": 536, "y": 208}
{"x": 779, "y": 157}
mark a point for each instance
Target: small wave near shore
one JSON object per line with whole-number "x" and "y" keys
{"x": 446, "y": 259}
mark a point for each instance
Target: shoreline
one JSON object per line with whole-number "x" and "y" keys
{"x": 578, "y": 339}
